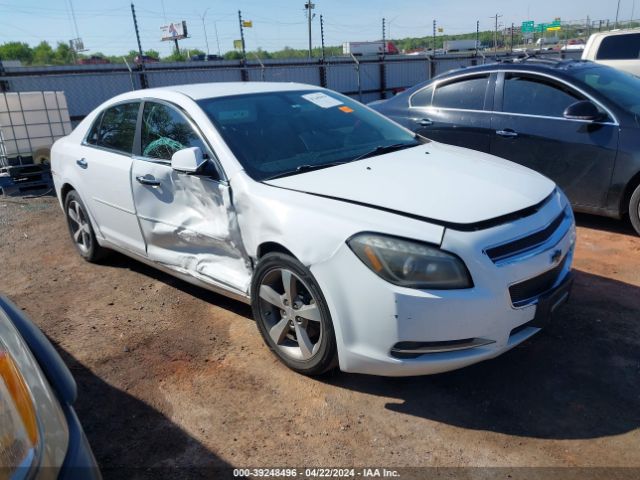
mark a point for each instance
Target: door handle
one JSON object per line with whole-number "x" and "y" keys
{"x": 150, "y": 181}
{"x": 507, "y": 132}
{"x": 82, "y": 163}
{"x": 425, "y": 122}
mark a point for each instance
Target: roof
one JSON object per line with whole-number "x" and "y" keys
{"x": 527, "y": 63}
{"x": 625, "y": 31}
{"x": 198, "y": 91}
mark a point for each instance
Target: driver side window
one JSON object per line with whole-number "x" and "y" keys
{"x": 165, "y": 131}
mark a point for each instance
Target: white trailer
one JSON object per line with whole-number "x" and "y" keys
{"x": 368, "y": 48}
{"x": 460, "y": 45}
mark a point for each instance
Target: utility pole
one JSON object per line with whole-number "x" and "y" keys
{"x": 617, "y": 13}
{"x": 511, "y": 49}
{"x": 309, "y": 6}
{"x": 477, "y": 35}
{"x": 384, "y": 42}
{"x": 434, "y": 38}
{"x": 323, "y": 68}
{"x": 244, "y": 51}
{"x": 143, "y": 77}
{"x": 204, "y": 27}
{"x": 322, "y": 35}
{"x": 495, "y": 34}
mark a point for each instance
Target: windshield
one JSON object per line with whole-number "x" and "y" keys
{"x": 621, "y": 88}
{"x": 280, "y": 133}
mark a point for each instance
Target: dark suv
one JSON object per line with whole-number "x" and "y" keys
{"x": 576, "y": 122}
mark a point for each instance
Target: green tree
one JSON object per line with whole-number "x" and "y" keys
{"x": 233, "y": 55}
{"x": 42, "y": 54}
{"x": 16, "y": 51}
{"x": 152, "y": 54}
{"x": 63, "y": 55}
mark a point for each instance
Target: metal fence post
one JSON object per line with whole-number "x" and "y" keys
{"x": 323, "y": 72}
{"x": 4, "y": 84}
{"x": 359, "y": 79}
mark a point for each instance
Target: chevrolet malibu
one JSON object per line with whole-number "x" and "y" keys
{"x": 358, "y": 243}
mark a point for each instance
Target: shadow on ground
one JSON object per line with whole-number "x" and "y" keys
{"x": 578, "y": 379}
{"x": 131, "y": 439}
{"x": 118, "y": 260}
{"x": 605, "y": 224}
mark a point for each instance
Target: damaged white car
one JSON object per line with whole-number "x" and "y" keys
{"x": 357, "y": 243}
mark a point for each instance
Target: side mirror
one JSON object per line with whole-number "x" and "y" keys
{"x": 188, "y": 160}
{"x": 582, "y": 110}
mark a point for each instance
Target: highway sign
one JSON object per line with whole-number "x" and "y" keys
{"x": 528, "y": 26}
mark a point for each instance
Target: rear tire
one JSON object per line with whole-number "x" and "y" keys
{"x": 634, "y": 209}
{"x": 292, "y": 315}
{"x": 80, "y": 228}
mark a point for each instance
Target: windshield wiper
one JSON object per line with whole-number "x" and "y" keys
{"x": 381, "y": 149}
{"x": 304, "y": 168}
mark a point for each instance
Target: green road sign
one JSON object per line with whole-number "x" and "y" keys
{"x": 527, "y": 26}
{"x": 541, "y": 27}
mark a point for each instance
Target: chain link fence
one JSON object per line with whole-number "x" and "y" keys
{"x": 365, "y": 79}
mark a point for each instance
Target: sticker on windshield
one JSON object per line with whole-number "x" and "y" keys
{"x": 322, "y": 100}
{"x": 346, "y": 109}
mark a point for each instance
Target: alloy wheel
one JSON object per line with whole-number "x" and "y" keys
{"x": 79, "y": 225}
{"x": 290, "y": 314}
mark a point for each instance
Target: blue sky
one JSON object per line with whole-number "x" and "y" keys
{"x": 106, "y": 26}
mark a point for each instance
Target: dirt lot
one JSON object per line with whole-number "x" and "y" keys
{"x": 170, "y": 375}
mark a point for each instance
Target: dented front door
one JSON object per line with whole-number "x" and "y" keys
{"x": 189, "y": 224}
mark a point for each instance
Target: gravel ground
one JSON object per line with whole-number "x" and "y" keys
{"x": 173, "y": 377}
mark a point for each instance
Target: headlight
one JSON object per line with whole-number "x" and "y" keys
{"x": 34, "y": 435}
{"x": 408, "y": 263}
{"x": 19, "y": 435}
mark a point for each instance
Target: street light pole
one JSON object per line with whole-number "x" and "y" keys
{"x": 617, "y": 13}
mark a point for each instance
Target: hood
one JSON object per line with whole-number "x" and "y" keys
{"x": 441, "y": 182}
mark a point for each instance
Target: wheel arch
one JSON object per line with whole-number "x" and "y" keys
{"x": 64, "y": 191}
{"x": 269, "y": 247}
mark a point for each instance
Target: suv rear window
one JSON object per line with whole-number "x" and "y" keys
{"x": 620, "y": 47}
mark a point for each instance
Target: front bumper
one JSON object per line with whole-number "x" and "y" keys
{"x": 373, "y": 319}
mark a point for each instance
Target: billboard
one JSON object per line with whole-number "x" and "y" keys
{"x": 174, "y": 31}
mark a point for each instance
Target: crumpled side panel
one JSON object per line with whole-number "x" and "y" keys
{"x": 189, "y": 224}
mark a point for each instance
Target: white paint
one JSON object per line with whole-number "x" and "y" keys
{"x": 209, "y": 232}
{"x": 476, "y": 186}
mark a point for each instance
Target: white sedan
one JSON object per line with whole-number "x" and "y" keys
{"x": 357, "y": 243}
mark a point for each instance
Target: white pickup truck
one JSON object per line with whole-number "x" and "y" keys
{"x": 618, "y": 48}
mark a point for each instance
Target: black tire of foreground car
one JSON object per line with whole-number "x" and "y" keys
{"x": 80, "y": 228}
{"x": 292, "y": 315}
{"x": 634, "y": 209}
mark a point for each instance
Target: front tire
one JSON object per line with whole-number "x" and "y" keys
{"x": 80, "y": 228}
{"x": 634, "y": 209}
{"x": 292, "y": 315}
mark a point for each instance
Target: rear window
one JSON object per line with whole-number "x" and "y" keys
{"x": 116, "y": 128}
{"x": 466, "y": 94}
{"x": 620, "y": 47}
